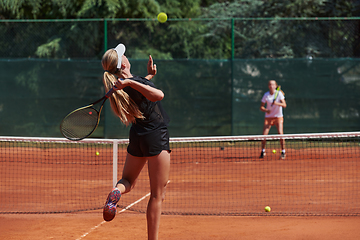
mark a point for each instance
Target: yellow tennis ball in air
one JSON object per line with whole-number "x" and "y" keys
{"x": 267, "y": 209}
{"x": 274, "y": 151}
{"x": 162, "y": 17}
{"x": 97, "y": 153}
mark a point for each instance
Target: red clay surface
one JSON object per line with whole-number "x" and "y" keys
{"x": 210, "y": 181}
{"x": 132, "y": 226}
{"x": 232, "y": 181}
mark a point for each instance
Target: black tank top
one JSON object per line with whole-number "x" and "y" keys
{"x": 154, "y": 113}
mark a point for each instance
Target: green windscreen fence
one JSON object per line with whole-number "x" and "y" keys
{"x": 321, "y": 95}
{"x": 213, "y": 72}
{"x": 202, "y": 97}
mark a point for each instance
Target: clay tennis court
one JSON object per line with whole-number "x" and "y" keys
{"x": 215, "y": 192}
{"x": 132, "y": 226}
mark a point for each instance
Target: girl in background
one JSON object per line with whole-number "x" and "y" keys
{"x": 273, "y": 115}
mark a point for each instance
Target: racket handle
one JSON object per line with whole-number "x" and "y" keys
{"x": 110, "y": 92}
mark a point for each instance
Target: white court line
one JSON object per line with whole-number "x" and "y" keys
{"x": 121, "y": 211}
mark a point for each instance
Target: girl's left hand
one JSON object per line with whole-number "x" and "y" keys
{"x": 151, "y": 67}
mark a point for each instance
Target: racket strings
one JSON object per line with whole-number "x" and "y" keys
{"x": 80, "y": 123}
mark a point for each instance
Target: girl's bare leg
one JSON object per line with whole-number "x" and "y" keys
{"x": 280, "y": 128}
{"x": 266, "y": 130}
{"x": 159, "y": 168}
{"x": 132, "y": 168}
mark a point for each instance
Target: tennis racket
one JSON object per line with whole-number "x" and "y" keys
{"x": 276, "y": 94}
{"x": 83, "y": 121}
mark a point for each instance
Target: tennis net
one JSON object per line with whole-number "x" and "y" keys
{"x": 209, "y": 175}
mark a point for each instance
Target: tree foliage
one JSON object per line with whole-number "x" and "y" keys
{"x": 277, "y": 38}
{"x": 198, "y": 29}
{"x": 60, "y": 9}
{"x": 209, "y": 39}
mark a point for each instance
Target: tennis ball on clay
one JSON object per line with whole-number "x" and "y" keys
{"x": 267, "y": 209}
{"x": 162, "y": 17}
{"x": 97, "y": 153}
{"x": 274, "y": 151}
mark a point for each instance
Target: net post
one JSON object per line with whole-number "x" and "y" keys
{"x": 115, "y": 161}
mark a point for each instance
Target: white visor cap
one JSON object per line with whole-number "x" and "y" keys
{"x": 120, "y": 50}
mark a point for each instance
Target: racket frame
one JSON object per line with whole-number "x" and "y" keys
{"x": 276, "y": 95}
{"x": 103, "y": 99}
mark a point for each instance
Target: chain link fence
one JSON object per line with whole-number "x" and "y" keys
{"x": 213, "y": 72}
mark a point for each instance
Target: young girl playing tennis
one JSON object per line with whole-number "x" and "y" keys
{"x": 137, "y": 102}
{"x": 273, "y": 114}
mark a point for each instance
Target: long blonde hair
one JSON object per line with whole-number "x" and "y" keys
{"x": 121, "y": 103}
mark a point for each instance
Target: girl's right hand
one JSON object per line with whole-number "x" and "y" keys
{"x": 121, "y": 83}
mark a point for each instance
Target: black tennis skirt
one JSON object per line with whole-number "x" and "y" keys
{"x": 150, "y": 144}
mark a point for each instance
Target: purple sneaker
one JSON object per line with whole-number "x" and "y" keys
{"x": 110, "y": 205}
